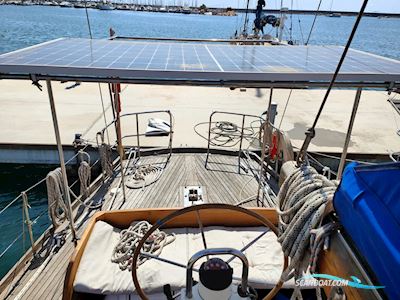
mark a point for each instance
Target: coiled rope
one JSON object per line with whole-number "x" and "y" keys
{"x": 227, "y": 134}
{"x": 105, "y": 152}
{"x": 84, "y": 174}
{"x": 55, "y": 192}
{"x": 129, "y": 239}
{"x": 303, "y": 200}
{"x": 143, "y": 176}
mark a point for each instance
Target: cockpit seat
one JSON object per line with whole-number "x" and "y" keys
{"x": 98, "y": 275}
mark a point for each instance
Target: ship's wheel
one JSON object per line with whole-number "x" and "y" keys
{"x": 243, "y": 289}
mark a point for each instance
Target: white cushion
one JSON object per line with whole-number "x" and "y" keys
{"x": 98, "y": 275}
{"x": 157, "y": 296}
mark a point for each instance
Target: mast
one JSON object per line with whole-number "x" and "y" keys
{"x": 246, "y": 19}
{"x": 281, "y": 26}
{"x": 291, "y": 23}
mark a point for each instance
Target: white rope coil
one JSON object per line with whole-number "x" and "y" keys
{"x": 143, "y": 176}
{"x": 105, "y": 152}
{"x": 129, "y": 239}
{"x": 303, "y": 200}
{"x": 55, "y": 193}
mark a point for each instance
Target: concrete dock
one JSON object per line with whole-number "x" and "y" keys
{"x": 26, "y": 121}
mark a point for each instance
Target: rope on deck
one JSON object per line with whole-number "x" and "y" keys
{"x": 129, "y": 239}
{"x": 228, "y": 134}
{"x": 143, "y": 176}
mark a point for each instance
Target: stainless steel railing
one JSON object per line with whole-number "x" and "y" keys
{"x": 138, "y": 132}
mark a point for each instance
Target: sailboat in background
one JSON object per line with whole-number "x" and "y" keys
{"x": 261, "y": 20}
{"x": 105, "y": 6}
{"x": 65, "y": 4}
{"x": 333, "y": 14}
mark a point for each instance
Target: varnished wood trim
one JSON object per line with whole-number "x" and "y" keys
{"x": 338, "y": 261}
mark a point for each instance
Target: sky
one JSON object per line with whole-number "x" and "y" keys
{"x": 346, "y": 5}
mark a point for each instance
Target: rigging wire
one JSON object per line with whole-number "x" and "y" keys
{"x": 88, "y": 21}
{"x": 313, "y": 23}
{"x": 310, "y": 133}
{"x": 246, "y": 21}
{"x": 104, "y": 113}
{"x": 23, "y": 230}
{"x": 237, "y": 20}
{"x": 301, "y": 30}
{"x": 99, "y": 86}
{"x": 37, "y": 184}
{"x": 320, "y": 164}
{"x": 284, "y": 110}
{"x": 291, "y": 22}
{"x": 299, "y": 22}
{"x": 338, "y": 158}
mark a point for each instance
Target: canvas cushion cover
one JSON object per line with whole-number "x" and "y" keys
{"x": 98, "y": 275}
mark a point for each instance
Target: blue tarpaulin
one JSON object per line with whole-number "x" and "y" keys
{"x": 367, "y": 203}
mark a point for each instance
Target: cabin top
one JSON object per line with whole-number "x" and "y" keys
{"x": 158, "y": 62}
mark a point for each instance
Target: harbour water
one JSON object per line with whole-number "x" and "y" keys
{"x": 22, "y": 26}
{"x": 13, "y": 180}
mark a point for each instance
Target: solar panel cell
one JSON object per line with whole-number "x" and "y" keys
{"x": 128, "y": 60}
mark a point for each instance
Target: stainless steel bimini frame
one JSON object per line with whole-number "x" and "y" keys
{"x": 244, "y": 116}
{"x": 42, "y": 72}
{"x": 139, "y": 134}
{"x": 62, "y": 161}
{"x": 12, "y": 69}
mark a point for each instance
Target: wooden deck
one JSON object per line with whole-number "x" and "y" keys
{"x": 221, "y": 183}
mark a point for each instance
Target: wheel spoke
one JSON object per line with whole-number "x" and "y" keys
{"x": 248, "y": 245}
{"x": 201, "y": 230}
{"x": 171, "y": 262}
{"x": 174, "y": 263}
{"x": 212, "y": 206}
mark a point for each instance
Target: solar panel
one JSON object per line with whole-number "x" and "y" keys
{"x": 133, "y": 60}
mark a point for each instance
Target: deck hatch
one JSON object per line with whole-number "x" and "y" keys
{"x": 129, "y": 61}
